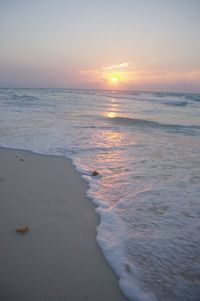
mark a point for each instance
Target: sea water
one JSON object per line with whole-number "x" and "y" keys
{"x": 146, "y": 148}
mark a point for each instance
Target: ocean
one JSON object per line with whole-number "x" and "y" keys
{"x": 146, "y": 148}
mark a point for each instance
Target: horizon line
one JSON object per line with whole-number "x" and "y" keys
{"x": 97, "y": 89}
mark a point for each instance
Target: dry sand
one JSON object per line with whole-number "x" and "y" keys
{"x": 58, "y": 260}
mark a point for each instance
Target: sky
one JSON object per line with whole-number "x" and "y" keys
{"x": 150, "y": 45}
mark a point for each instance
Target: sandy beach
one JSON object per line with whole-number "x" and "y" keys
{"x": 58, "y": 259}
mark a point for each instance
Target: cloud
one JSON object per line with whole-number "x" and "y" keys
{"x": 114, "y": 67}
{"x": 101, "y": 70}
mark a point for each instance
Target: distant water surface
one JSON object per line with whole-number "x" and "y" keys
{"x": 146, "y": 147}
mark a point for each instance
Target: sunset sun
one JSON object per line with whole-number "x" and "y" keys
{"x": 114, "y": 79}
{"x": 116, "y": 75}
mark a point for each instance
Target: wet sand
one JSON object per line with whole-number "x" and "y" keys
{"x": 58, "y": 259}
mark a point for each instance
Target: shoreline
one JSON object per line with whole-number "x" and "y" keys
{"x": 58, "y": 259}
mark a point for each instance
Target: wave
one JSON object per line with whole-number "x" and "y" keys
{"x": 176, "y": 103}
{"x": 193, "y": 97}
{"x": 164, "y": 98}
{"x": 142, "y": 123}
{"x": 24, "y": 97}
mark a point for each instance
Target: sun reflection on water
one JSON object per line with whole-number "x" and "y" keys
{"x": 113, "y": 109}
{"x": 111, "y": 114}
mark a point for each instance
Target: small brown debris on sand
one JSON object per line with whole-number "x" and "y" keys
{"x": 95, "y": 173}
{"x": 127, "y": 267}
{"x": 23, "y": 230}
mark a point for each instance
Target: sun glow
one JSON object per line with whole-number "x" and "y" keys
{"x": 114, "y": 79}
{"x": 116, "y": 75}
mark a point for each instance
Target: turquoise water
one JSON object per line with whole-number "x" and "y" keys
{"x": 146, "y": 148}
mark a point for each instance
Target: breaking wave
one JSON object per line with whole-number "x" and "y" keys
{"x": 142, "y": 123}
{"x": 24, "y": 97}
